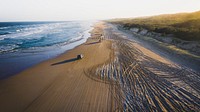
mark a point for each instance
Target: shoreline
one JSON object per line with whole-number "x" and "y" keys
{"x": 17, "y": 62}
{"x": 63, "y": 74}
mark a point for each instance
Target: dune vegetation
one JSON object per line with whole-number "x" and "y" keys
{"x": 185, "y": 26}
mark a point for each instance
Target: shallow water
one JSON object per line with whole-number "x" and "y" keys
{"x": 24, "y": 44}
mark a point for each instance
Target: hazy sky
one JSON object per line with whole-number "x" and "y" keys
{"x": 41, "y": 10}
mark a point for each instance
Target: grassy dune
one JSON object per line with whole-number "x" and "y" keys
{"x": 185, "y": 26}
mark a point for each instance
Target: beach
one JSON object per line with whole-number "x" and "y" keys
{"x": 115, "y": 74}
{"x": 60, "y": 83}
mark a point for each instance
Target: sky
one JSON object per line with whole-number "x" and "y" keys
{"x": 67, "y": 10}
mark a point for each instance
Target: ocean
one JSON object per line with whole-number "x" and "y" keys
{"x": 24, "y": 44}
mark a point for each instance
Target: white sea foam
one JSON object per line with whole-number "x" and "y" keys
{"x": 1, "y": 28}
{"x": 2, "y": 37}
{"x": 8, "y": 48}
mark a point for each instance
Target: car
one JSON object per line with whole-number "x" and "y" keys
{"x": 80, "y": 56}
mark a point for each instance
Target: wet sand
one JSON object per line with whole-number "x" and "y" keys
{"x": 115, "y": 75}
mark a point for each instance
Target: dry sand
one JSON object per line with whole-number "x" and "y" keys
{"x": 145, "y": 81}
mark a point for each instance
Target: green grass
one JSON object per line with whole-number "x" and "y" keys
{"x": 185, "y": 26}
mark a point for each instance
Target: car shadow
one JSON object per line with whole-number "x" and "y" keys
{"x": 92, "y": 43}
{"x": 65, "y": 61}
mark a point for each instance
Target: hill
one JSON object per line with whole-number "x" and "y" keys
{"x": 185, "y": 26}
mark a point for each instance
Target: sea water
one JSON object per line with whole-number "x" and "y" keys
{"x": 24, "y": 44}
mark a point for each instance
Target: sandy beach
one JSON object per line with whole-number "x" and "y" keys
{"x": 115, "y": 74}
{"x": 55, "y": 85}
